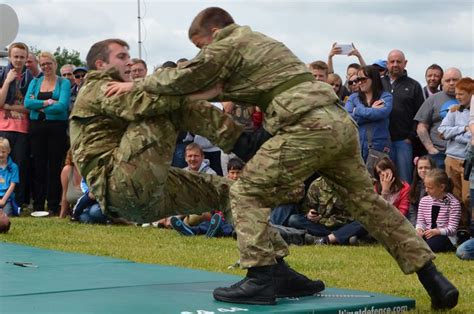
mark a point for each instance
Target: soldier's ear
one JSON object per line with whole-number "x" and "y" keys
{"x": 100, "y": 64}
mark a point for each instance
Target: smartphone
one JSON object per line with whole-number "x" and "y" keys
{"x": 345, "y": 48}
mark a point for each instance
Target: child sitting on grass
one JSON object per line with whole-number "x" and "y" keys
{"x": 439, "y": 213}
{"x": 9, "y": 178}
{"x": 216, "y": 226}
{"x": 423, "y": 165}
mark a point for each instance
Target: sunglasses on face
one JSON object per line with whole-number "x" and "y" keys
{"x": 79, "y": 76}
{"x": 357, "y": 80}
{"x": 353, "y": 82}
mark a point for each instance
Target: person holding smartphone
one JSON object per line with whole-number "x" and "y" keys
{"x": 343, "y": 49}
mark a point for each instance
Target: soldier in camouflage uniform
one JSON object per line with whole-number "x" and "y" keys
{"x": 321, "y": 197}
{"x": 310, "y": 133}
{"x": 123, "y": 145}
{"x": 326, "y": 216}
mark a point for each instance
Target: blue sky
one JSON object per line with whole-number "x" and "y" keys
{"x": 427, "y": 31}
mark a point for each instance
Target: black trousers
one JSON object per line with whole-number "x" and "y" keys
{"x": 20, "y": 154}
{"x": 440, "y": 243}
{"x": 48, "y": 148}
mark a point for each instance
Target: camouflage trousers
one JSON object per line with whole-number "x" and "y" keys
{"x": 324, "y": 140}
{"x": 142, "y": 187}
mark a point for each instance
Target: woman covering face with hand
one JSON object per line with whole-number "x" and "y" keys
{"x": 390, "y": 186}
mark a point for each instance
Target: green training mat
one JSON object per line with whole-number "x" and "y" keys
{"x": 34, "y": 280}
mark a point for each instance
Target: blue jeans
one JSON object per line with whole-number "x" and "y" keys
{"x": 281, "y": 214}
{"x": 471, "y": 223}
{"x": 351, "y": 229}
{"x": 8, "y": 209}
{"x": 439, "y": 159}
{"x": 93, "y": 214}
{"x": 466, "y": 250}
{"x": 402, "y": 155}
{"x": 82, "y": 204}
{"x": 299, "y": 221}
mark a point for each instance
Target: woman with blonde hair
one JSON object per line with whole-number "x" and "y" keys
{"x": 47, "y": 99}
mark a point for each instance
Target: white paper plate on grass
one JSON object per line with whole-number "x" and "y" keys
{"x": 40, "y": 214}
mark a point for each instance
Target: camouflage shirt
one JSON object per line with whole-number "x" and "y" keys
{"x": 249, "y": 64}
{"x": 99, "y": 127}
{"x": 321, "y": 198}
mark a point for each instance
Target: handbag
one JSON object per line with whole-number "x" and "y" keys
{"x": 374, "y": 155}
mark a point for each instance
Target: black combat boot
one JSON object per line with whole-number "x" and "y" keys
{"x": 443, "y": 293}
{"x": 256, "y": 288}
{"x": 290, "y": 283}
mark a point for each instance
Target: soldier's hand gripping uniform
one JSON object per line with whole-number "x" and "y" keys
{"x": 123, "y": 146}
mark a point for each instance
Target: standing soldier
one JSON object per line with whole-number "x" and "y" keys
{"x": 310, "y": 133}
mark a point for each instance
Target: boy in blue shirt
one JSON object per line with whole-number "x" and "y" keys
{"x": 9, "y": 178}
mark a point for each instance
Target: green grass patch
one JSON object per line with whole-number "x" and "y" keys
{"x": 363, "y": 268}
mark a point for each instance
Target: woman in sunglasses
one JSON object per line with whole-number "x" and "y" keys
{"x": 370, "y": 107}
{"x": 48, "y": 101}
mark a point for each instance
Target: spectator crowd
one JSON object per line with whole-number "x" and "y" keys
{"x": 416, "y": 141}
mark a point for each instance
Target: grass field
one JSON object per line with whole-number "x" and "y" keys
{"x": 363, "y": 268}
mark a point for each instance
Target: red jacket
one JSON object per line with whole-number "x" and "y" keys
{"x": 402, "y": 202}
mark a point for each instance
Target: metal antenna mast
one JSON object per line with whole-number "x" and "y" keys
{"x": 139, "y": 32}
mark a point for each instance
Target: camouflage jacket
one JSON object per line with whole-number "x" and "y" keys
{"x": 98, "y": 127}
{"x": 321, "y": 198}
{"x": 249, "y": 64}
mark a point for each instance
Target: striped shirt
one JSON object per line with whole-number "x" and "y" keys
{"x": 448, "y": 217}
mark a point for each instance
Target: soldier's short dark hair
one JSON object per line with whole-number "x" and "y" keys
{"x": 208, "y": 19}
{"x": 100, "y": 51}
{"x": 235, "y": 164}
{"x": 181, "y": 60}
{"x": 169, "y": 64}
